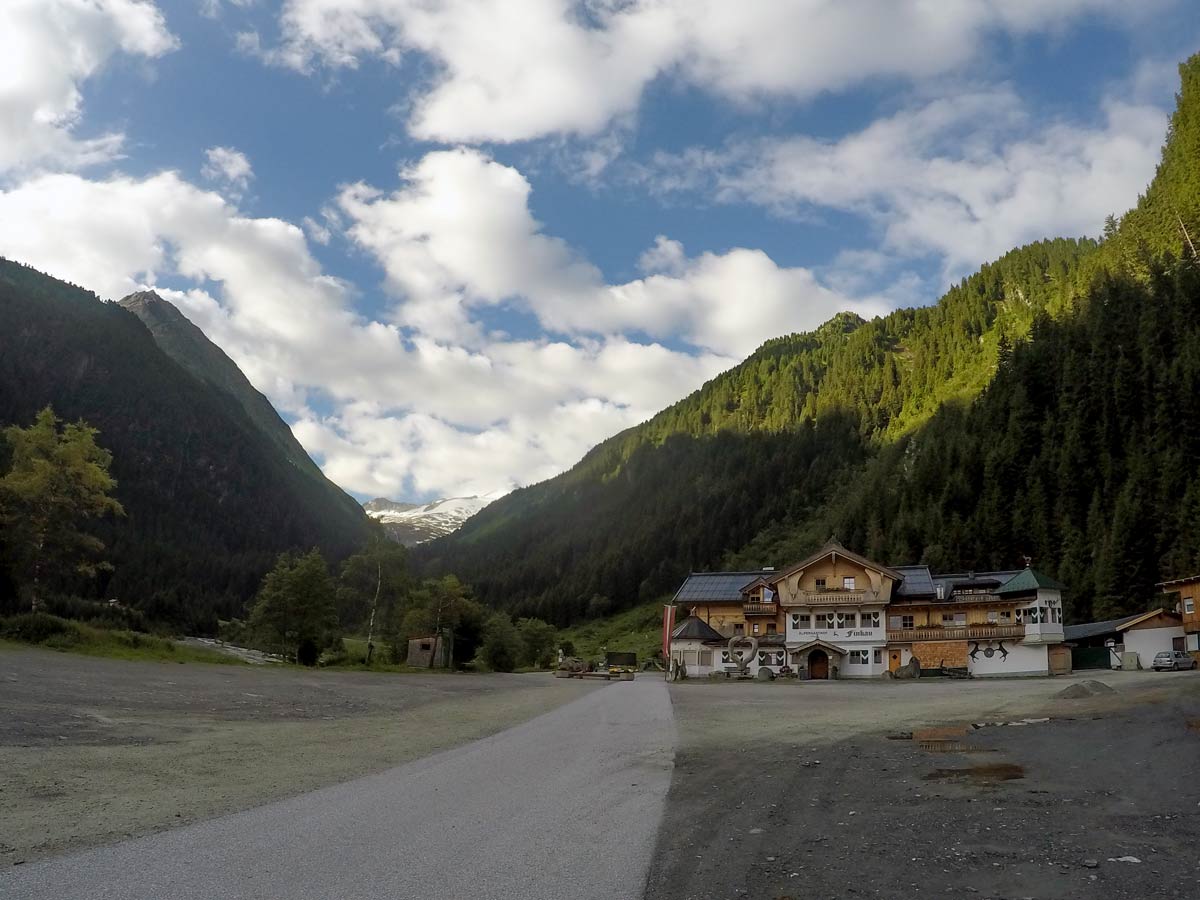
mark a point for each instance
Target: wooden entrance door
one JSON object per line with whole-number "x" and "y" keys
{"x": 893, "y": 660}
{"x": 818, "y": 664}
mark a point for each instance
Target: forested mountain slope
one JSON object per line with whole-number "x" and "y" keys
{"x": 210, "y": 500}
{"x": 187, "y": 345}
{"x": 1045, "y": 406}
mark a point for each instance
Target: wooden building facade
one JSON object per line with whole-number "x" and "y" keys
{"x": 838, "y": 614}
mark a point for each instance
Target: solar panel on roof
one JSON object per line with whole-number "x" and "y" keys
{"x": 714, "y": 586}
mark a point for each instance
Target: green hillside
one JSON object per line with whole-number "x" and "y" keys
{"x": 1044, "y": 407}
{"x": 210, "y": 499}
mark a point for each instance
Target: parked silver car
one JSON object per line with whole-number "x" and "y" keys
{"x": 1173, "y": 660}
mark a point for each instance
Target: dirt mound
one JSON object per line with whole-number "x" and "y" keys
{"x": 1085, "y": 689}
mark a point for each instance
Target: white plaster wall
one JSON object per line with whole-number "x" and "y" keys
{"x": 1148, "y": 641}
{"x": 679, "y": 648}
{"x": 1021, "y": 659}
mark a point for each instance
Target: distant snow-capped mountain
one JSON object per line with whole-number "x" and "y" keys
{"x": 412, "y": 523}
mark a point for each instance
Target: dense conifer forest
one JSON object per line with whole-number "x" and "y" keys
{"x": 1047, "y": 406}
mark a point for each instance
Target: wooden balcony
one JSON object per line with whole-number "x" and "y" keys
{"x": 833, "y": 597}
{"x": 760, "y": 609}
{"x": 955, "y": 633}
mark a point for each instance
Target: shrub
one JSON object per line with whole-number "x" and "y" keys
{"x": 38, "y": 628}
{"x": 502, "y": 644}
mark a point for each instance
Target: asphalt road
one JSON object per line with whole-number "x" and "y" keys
{"x": 565, "y": 805}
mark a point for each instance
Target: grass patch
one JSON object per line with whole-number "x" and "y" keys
{"x": 637, "y": 630}
{"x": 354, "y": 658}
{"x": 54, "y": 633}
{"x": 355, "y": 649}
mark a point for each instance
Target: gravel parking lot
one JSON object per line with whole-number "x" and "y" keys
{"x": 788, "y": 790}
{"x": 95, "y": 750}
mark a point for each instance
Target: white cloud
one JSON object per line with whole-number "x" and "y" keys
{"x": 48, "y": 48}
{"x": 459, "y": 235}
{"x": 965, "y": 177}
{"x": 229, "y": 168}
{"x": 512, "y": 70}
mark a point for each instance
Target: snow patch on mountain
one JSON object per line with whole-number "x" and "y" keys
{"x": 411, "y": 523}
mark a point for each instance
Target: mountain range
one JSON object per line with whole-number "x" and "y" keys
{"x": 1048, "y": 406}
{"x": 415, "y": 523}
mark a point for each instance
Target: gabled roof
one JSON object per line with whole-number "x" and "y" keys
{"x": 761, "y": 580}
{"x": 917, "y": 582}
{"x": 714, "y": 587}
{"x": 693, "y": 628}
{"x": 1111, "y": 626}
{"x": 1028, "y": 581}
{"x": 833, "y": 546}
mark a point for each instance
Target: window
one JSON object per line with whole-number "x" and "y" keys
{"x": 739, "y": 628}
{"x": 906, "y": 621}
{"x": 706, "y": 657}
{"x": 941, "y": 592}
{"x": 869, "y": 620}
{"x": 878, "y": 657}
{"x": 993, "y": 616}
{"x": 848, "y": 583}
{"x": 754, "y": 628}
{"x": 894, "y": 622}
{"x": 1006, "y": 615}
{"x": 824, "y": 621}
{"x": 801, "y": 620}
{"x": 820, "y": 584}
{"x": 841, "y": 619}
{"x": 951, "y": 619}
{"x": 859, "y": 657}
{"x": 1020, "y": 615}
{"x": 1189, "y": 605}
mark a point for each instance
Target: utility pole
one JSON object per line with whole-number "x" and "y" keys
{"x": 437, "y": 630}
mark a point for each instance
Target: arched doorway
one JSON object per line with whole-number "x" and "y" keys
{"x": 818, "y": 664}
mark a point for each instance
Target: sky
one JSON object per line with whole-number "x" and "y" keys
{"x": 459, "y": 243}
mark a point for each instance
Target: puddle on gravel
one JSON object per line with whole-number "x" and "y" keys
{"x": 987, "y": 773}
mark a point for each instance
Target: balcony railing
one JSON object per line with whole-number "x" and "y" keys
{"x": 956, "y": 633}
{"x": 760, "y": 609}
{"x": 833, "y": 597}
